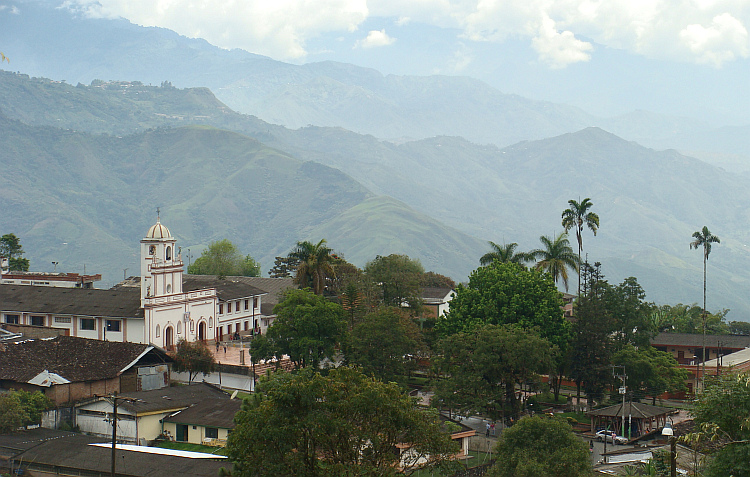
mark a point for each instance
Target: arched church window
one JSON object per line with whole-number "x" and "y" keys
{"x": 169, "y": 288}
{"x": 152, "y": 250}
{"x": 158, "y": 331}
{"x": 179, "y": 327}
{"x": 169, "y": 255}
{"x": 210, "y": 321}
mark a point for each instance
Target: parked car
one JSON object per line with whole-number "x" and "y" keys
{"x": 611, "y": 436}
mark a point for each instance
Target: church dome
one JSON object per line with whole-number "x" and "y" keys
{"x": 158, "y": 231}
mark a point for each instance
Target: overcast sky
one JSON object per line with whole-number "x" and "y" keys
{"x": 711, "y": 32}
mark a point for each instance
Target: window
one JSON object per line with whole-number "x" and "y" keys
{"x": 247, "y": 304}
{"x": 37, "y": 320}
{"x": 113, "y": 326}
{"x": 88, "y": 324}
{"x": 169, "y": 253}
{"x": 169, "y": 288}
{"x": 237, "y": 327}
{"x": 62, "y": 319}
{"x": 212, "y": 432}
{"x": 158, "y": 331}
{"x": 255, "y": 302}
{"x": 152, "y": 250}
{"x": 179, "y": 327}
{"x": 192, "y": 326}
{"x": 237, "y": 306}
{"x": 210, "y": 321}
{"x": 221, "y": 309}
{"x": 11, "y": 319}
{"x": 246, "y": 325}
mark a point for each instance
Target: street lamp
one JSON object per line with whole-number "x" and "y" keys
{"x": 667, "y": 431}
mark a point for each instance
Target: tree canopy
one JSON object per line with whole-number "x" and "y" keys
{"x": 541, "y": 447}
{"x": 507, "y": 293}
{"x": 193, "y": 357}
{"x": 20, "y": 408}
{"x": 650, "y": 371}
{"x": 504, "y": 253}
{"x": 556, "y": 258}
{"x": 224, "y": 259}
{"x": 399, "y": 279}
{"x": 342, "y": 424}
{"x": 314, "y": 265}
{"x": 482, "y": 367}
{"x": 307, "y": 327}
{"x": 10, "y": 247}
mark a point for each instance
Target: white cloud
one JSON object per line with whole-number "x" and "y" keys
{"x": 559, "y": 49}
{"x": 723, "y": 40}
{"x": 374, "y": 39}
{"x": 704, "y": 31}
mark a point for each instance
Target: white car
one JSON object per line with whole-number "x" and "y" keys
{"x": 611, "y": 436}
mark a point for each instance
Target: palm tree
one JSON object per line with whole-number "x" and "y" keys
{"x": 704, "y": 238}
{"x": 315, "y": 265}
{"x": 579, "y": 217}
{"x": 556, "y": 257}
{"x": 505, "y": 253}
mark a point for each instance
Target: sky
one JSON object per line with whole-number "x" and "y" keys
{"x": 609, "y": 57}
{"x": 559, "y": 32}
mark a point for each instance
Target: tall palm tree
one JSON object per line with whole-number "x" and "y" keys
{"x": 315, "y": 265}
{"x": 579, "y": 217}
{"x": 505, "y": 253}
{"x": 704, "y": 238}
{"x": 556, "y": 257}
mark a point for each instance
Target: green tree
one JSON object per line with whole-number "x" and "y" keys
{"x": 19, "y": 408}
{"x": 432, "y": 279}
{"x": 541, "y": 447}
{"x": 689, "y": 319}
{"x": 342, "y": 424}
{"x": 381, "y": 342}
{"x": 480, "y": 368}
{"x": 283, "y": 267}
{"x": 224, "y": 259}
{"x": 399, "y": 279}
{"x": 10, "y": 247}
{"x": 739, "y": 327}
{"x": 507, "y": 293}
{"x": 722, "y": 414}
{"x": 703, "y": 239}
{"x": 193, "y": 357}
{"x": 504, "y": 253}
{"x": 307, "y": 328}
{"x": 556, "y": 258}
{"x": 315, "y": 265}
{"x": 630, "y": 313}
{"x": 578, "y": 216}
{"x": 650, "y": 371}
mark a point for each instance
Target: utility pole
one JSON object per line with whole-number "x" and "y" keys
{"x": 623, "y": 390}
{"x": 114, "y": 397}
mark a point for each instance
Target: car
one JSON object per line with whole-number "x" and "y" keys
{"x": 611, "y": 436}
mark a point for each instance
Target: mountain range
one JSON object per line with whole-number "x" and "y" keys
{"x": 87, "y": 164}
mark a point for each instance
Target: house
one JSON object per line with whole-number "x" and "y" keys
{"x": 436, "y": 299}
{"x": 460, "y": 433}
{"x": 208, "y": 422}
{"x": 67, "y": 369}
{"x": 140, "y": 414}
{"x": 49, "y": 452}
{"x": 160, "y": 307}
{"x": 69, "y": 280}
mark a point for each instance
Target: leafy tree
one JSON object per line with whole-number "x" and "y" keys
{"x": 315, "y": 265}
{"x": 703, "y": 239}
{"x": 399, "y": 279}
{"x": 689, "y": 319}
{"x": 10, "y": 247}
{"x": 579, "y": 217}
{"x": 342, "y": 424}
{"x": 284, "y": 267}
{"x": 540, "y": 447}
{"x": 630, "y": 313}
{"x": 20, "y": 408}
{"x": 381, "y": 342}
{"x": 650, "y": 371}
{"x": 504, "y": 253}
{"x": 507, "y": 293}
{"x": 193, "y": 357}
{"x": 739, "y": 327}
{"x": 223, "y": 258}
{"x": 480, "y": 368}
{"x": 307, "y": 327}
{"x": 722, "y": 413}
{"x": 432, "y": 279}
{"x": 556, "y": 258}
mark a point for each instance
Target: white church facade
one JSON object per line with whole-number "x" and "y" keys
{"x": 159, "y": 307}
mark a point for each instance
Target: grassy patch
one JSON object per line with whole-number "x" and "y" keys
{"x": 186, "y": 446}
{"x": 578, "y": 416}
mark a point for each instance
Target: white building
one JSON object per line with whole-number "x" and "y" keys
{"x": 168, "y": 307}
